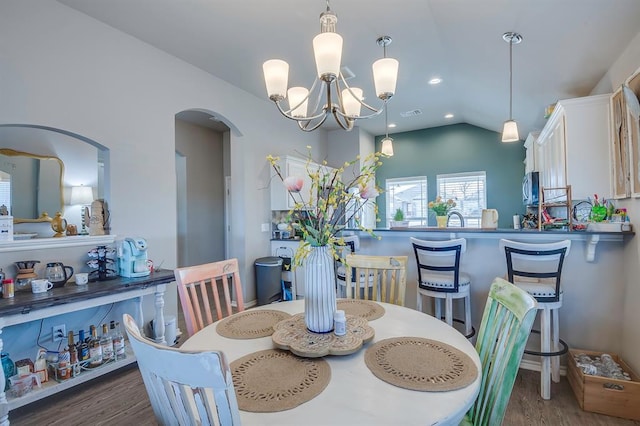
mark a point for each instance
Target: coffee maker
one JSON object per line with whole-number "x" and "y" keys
{"x": 132, "y": 258}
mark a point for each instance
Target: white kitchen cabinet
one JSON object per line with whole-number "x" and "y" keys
{"x": 574, "y": 148}
{"x": 291, "y": 166}
{"x": 531, "y": 146}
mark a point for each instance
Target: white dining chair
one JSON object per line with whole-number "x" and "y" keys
{"x": 184, "y": 387}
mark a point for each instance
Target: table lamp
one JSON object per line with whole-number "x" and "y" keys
{"x": 82, "y": 195}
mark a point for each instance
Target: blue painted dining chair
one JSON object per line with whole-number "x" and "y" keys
{"x": 506, "y": 324}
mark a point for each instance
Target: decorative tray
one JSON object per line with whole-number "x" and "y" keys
{"x": 292, "y": 335}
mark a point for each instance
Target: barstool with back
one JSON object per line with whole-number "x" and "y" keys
{"x": 439, "y": 277}
{"x": 537, "y": 269}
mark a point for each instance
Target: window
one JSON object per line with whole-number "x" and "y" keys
{"x": 410, "y": 195}
{"x": 468, "y": 190}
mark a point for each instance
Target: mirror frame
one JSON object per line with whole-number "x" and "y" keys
{"x": 44, "y": 216}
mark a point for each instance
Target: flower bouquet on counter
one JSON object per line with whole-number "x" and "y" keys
{"x": 320, "y": 210}
{"x": 441, "y": 207}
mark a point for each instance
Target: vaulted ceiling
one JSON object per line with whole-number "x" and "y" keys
{"x": 567, "y": 48}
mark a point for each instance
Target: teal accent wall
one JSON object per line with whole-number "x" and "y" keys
{"x": 455, "y": 149}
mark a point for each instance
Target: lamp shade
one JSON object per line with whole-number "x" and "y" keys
{"x": 385, "y": 75}
{"x": 387, "y": 147}
{"x": 327, "y": 49}
{"x": 352, "y": 103}
{"x": 81, "y": 195}
{"x": 510, "y": 131}
{"x": 298, "y": 101}
{"x": 276, "y": 76}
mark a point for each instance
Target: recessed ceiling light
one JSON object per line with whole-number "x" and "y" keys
{"x": 448, "y": 115}
{"x": 392, "y": 125}
{"x": 435, "y": 80}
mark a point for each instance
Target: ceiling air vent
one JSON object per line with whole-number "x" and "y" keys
{"x": 412, "y": 113}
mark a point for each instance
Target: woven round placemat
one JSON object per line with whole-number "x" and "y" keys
{"x": 250, "y": 324}
{"x": 420, "y": 364}
{"x": 366, "y": 309}
{"x": 274, "y": 380}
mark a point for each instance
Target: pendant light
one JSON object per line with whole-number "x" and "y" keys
{"x": 510, "y": 129}
{"x": 387, "y": 142}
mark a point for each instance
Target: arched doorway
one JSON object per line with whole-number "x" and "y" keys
{"x": 202, "y": 177}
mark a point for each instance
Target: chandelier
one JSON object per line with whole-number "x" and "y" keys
{"x": 340, "y": 100}
{"x": 510, "y": 129}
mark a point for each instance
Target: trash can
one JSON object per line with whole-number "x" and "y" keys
{"x": 268, "y": 279}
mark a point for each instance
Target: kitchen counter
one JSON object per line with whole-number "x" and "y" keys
{"x": 592, "y": 280}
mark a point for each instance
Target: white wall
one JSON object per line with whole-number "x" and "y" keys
{"x": 64, "y": 70}
{"x": 625, "y": 66}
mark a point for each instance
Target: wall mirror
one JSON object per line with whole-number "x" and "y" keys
{"x": 31, "y": 186}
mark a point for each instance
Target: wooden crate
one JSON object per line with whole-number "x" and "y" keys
{"x": 618, "y": 398}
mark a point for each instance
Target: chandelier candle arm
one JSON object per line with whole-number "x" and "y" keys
{"x": 327, "y": 48}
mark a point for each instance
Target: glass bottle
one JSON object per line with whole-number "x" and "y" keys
{"x": 95, "y": 350}
{"x": 118, "y": 340}
{"x": 64, "y": 360}
{"x": 107, "y": 344}
{"x": 9, "y": 369}
{"x": 73, "y": 356}
{"x": 83, "y": 347}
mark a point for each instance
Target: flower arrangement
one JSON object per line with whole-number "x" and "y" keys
{"x": 319, "y": 212}
{"x": 440, "y": 207}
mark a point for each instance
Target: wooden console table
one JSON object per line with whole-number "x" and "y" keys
{"x": 26, "y": 307}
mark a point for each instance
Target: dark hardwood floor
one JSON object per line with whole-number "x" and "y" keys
{"x": 121, "y": 399}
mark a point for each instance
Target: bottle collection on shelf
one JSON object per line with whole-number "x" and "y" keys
{"x": 87, "y": 353}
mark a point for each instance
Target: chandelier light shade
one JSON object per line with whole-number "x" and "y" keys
{"x": 330, "y": 94}
{"x": 510, "y": 128}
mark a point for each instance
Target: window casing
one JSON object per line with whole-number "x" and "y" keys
{"x": 410, "y": 195}
{"x": 469, "y": 192}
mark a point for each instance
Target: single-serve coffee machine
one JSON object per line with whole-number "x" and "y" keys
{"x": 132, "y": 258}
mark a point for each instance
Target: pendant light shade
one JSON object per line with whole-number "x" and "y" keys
{"x": 387, "y": 142}
{"x": 387, "y": 147}
{"x": 510, "y": 129}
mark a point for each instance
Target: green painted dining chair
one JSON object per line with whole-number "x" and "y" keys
{"x": 506, "y": 324}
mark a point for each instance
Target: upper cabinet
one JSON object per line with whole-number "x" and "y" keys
{"x": 291, "y": 166}
{"x": 281, "y": 199}
{"x": 531, "y": 146}
{"x": 574, "y": 149}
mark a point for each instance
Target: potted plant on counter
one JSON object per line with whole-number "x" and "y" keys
{"x": 398, "y": 220}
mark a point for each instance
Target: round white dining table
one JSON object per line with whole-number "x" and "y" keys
{"x": 354, "y": 396}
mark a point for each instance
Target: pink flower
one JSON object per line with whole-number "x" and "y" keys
{"x": 293, "y": 183}
{"x": 369, "y": 191}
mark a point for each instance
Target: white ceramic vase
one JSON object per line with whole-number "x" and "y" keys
{"x": 319, "y": 290}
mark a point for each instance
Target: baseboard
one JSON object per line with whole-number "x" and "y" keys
{"x": 527, "y": 364}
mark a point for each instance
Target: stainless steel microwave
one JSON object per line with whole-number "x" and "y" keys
{"x": 531, "y": 189}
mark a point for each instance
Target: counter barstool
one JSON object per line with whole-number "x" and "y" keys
{"x": 439, "y": 277}
{"x": 537, "y": 268}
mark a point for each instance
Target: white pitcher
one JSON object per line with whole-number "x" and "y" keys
{"x": 489, "y": 219}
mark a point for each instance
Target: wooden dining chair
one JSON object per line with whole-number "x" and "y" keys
{"x": 506, "y": 324}
{"x": 388, "y": 273}
{"x": 184, "y": 387}
{"x": 200, "y": 286}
